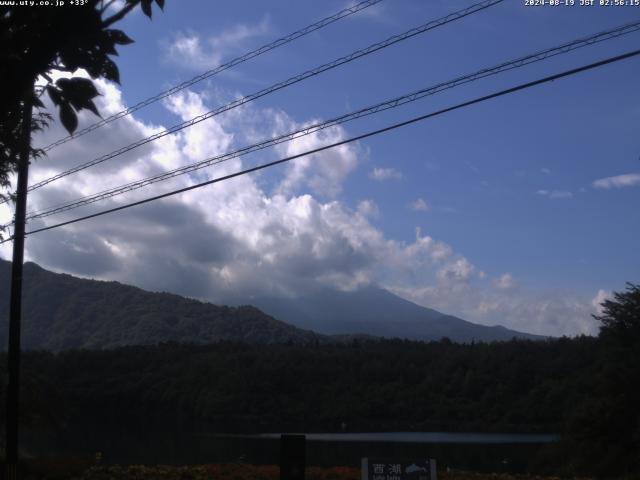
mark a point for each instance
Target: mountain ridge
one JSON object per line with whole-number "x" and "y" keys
{"x": 62, "y": 312}
{"x": 65, "y": 312}
{"x": 375, "y": 311}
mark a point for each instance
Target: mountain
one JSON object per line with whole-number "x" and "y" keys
{"x": 62, "y": 312}
{"x": 378, "y": 312}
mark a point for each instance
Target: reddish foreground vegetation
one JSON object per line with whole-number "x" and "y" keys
{"x": 260, "y": 472}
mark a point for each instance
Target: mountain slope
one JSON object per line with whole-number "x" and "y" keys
{"x": 375, "y": 311}
{"x": 61, "y": 312}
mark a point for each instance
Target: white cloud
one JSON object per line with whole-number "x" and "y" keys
{"x": 548, "y": 314}
{"x": 381, "y": 174}
{"x": 458, "y": 270}
{"x": 419, "y": 205}
{"x": 545, "y": 171}
{"x": 598, "y": 299}
{"x": 322, "y": 172}
{"x": 555, "y": 194}
{"x": 619, "y": 181}
{"x": 189, "y": 50}
{"x": 115, "y": 6}
{"x": 504, "y": 281}
{"x": 249, "y": 236}
{"x": 368, "y": 208}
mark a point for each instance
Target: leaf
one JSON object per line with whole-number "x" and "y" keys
{"x": 68, "y": 117}
{"x": 83, "y": 86}
{"x": 54, "y": 94}
{"x": 92, "y": 106}
{"x": 160, "y": 4}
{"x": 118, "y": 36}
{"x": 79, "y": 92}
{"x": 146, "y": 7}
{"x": 37, "y": 103}
{"x": 111, "y": 50}
{"x": 110, "y": 71}
{"x": 94, "y": 70}
{"x": 72, "y": 58}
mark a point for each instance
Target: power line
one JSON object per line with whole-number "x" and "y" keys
{"x": 507, "y": 91}
{"x": 382, "y": 106}
{"x": 290, "y": 81}
{"x": 210, "y": 73}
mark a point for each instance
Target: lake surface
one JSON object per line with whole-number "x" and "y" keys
{"x": 484, "y": 452}
{"x": 423, "y": 437}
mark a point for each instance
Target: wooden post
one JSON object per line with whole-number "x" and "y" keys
{"x": 15, "y": 306}
{"x": 292, "y": 457}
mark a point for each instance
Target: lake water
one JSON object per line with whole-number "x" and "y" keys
{"x": 423, "y": 437}
{"x": 488, "y": 452}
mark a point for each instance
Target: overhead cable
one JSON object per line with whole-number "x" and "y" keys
{"x": 278, "y": 86}
{"x": 214, "y": 71}
{"x": 420, "y": 118}
{"x": 307, "y": 130}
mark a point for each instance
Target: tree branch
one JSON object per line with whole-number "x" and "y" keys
{"x": 104, "y": 7}
{"x": 119, "y": 16}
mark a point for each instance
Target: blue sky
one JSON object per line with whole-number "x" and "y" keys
{"x": 522, "y": 228}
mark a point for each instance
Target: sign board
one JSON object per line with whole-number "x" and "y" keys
{"x": 386, "y": 469}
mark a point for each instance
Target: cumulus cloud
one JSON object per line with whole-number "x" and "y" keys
{"x": 253, "y": 235}
{"x": 368, "y": 208}
{"x": 189, "y": 50}
{"x": 381, "y": 174}
{"x": 549, "y": 314}
{"x": 504, "y": 281}
{"x": 324, "y": 172}
{"x": 619, "y": 181}
{"x": 599, "y": 299}
{"x": 554, "y": 194}
{"x": 419, "y": 205}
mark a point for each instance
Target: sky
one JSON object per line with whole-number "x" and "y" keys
{"x": 520, "y": 211}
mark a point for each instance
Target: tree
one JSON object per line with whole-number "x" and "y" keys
{"x": 37, "y": 40}
{"x": 620, "y": 318}
{"x": 604, "y": 434}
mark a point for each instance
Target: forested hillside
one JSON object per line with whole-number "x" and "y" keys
{"x": 583, "y": 388}
{"x": 61, "y": 312}
{"x": 376, "y": 386}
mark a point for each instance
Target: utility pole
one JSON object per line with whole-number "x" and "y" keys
{"x": 15, "y": 307}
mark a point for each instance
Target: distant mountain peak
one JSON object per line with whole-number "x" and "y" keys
{"x": 373, "y": 310}
{"x": 62, "y": 311}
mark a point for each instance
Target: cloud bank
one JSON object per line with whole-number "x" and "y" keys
{"x": 284, "y": 232}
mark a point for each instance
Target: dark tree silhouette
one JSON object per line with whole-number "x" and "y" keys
{"x": 620, "y": 318}
{"x": 605, "y": 431}
{"x": 38, "y": 40}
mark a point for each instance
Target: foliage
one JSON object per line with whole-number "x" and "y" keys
{"x": 262, "y": 375}
{"x": 263, "y": 472}
{"x": 39, "y": 40}
{"x": 393, "y": 385}
{"x": 63, "y": 312}
{"x": 605, "y": 429}
{"x": 59, "y": 469}
{"x": 620, "y": 318}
